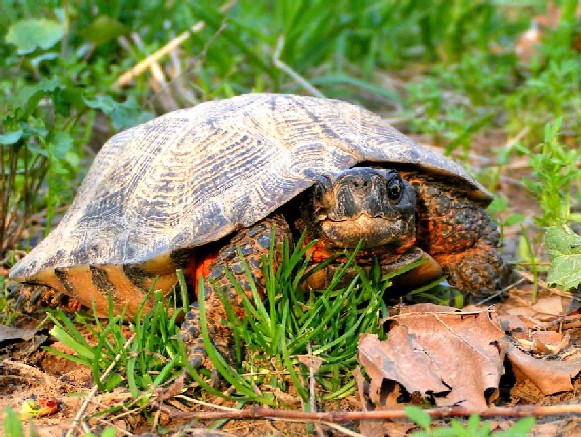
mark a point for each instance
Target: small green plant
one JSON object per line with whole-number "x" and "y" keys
{"x": 474, "y": 426}
{"x": 13, "y": 425}
{"x": 8, "y": 311}
{"x": 555, "y": 172}
{"x": 498, "y": 209}
{"x": 46, "y": 121}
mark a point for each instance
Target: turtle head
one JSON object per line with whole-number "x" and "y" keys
{"x": 375, "y": 206}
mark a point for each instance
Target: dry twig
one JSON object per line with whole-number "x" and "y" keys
{"x": 148, "y": 62}
{"x": 261, "y": 413}
{"x": 296, "y": 76}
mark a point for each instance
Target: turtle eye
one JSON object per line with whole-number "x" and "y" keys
{"x": 394, "y": 189}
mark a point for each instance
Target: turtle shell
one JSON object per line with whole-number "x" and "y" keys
{"x": 194, "y": 175}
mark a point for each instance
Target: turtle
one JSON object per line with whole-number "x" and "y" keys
{"x": 212, "y": 188}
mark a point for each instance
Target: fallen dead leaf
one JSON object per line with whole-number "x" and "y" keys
{"x": 12, "y": 333}
{"x": 311, "y": 361}
{"x": 543, "y": 342}
{"x": 550, "y": 376}
{"x": 379, "y": 427}
{"x": 548, "y": 307}
{"x": 454, "y": 357}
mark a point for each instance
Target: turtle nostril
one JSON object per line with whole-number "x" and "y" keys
{"x": 360, "y": 185}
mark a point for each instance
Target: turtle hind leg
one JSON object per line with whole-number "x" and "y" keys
{"x": 31, "y": 298}
{"x": 253, "y": 244}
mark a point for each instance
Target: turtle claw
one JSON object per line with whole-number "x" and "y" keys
{"x": 197, "y": 357}
{"x": 37, "y": 295}
{"x": 196, "y": 353}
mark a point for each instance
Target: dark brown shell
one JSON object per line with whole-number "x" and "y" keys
{"x": 195, "y": 175}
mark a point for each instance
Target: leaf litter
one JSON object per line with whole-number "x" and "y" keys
{"x": 448, "y": 357}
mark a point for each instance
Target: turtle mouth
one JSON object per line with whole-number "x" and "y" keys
{"x": 369, "y": 232}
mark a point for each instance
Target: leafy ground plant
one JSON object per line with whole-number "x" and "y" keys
{"x": 555, "y": 174}
{"x": 45, "y": 123}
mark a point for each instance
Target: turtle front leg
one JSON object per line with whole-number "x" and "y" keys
{"x": 467, "y": 252}
{"x": 460, "y": 236}
{"x": 477, "y": 270}
{"x": 253, "y": 243}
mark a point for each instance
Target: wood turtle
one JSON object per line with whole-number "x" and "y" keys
{"x": 192, "y": 187}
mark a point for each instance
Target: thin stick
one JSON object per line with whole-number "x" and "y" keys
{"x": 128, "y": 76}
{"x": 261, "y": 413}
{"x": 296, "y": 76}
{"x": 93, "y": 391}
{"x": 501, "y": 292}
{"x": 312, "y": 400}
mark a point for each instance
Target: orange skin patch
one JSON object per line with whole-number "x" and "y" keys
{"x": 319, "y": 252}
{"x": 199, "y": 268}
{"x": 438, "y": 238}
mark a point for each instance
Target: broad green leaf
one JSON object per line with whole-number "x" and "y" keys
{"x": 419, "y": 416}
{"x": 68, "y": 98}
{"x": 564, "y": 248}
{"x": 123, "y": 115}
{"x": 28, "y": 35}
{"x": 26, "y": 98}
{"x": 61, "y": 143}
{"x": 10, "y": 137}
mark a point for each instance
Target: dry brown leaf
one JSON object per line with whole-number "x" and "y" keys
{"x": 543, "y": 342}
{"x": 549, "y": 376}
{"x": 12, "y": 333}
{"x": 311, "y": 361}
{"x": 379, "y": 427}
{"x": 401, "y": 360}
{"x": 455, "y": 356}
{"x": 548, "y": 307}
{"x": 554, "y": 305}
